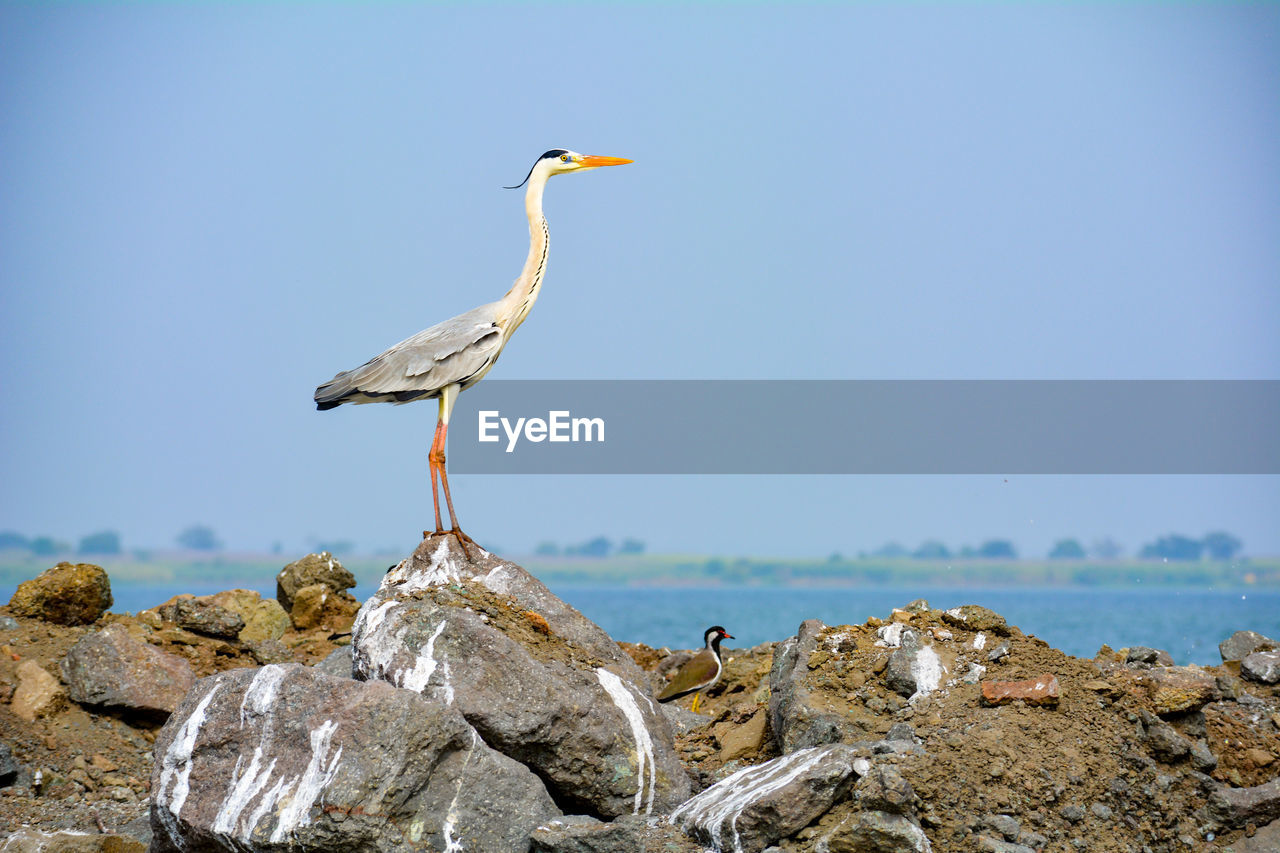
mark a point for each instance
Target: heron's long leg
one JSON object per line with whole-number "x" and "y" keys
{"x": 448, "y": 395}
{"x": 435, "y": 460}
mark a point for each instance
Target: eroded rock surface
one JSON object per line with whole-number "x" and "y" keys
{"x": 539, "y": 681}
{"x": 287, "y": 758}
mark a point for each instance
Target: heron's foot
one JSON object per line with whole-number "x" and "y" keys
{"x": 463, "y": 539}
{"x": 427, "y": 534}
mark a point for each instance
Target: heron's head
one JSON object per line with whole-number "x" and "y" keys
{"x": 560, "y": 161}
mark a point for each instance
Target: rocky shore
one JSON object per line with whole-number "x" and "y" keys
{"x": 466, "y": 708}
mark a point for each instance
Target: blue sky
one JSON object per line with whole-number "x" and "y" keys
{"x": 207, "y": 210}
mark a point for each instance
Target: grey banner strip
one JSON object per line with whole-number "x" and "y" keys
{"x": 867, "y": 427}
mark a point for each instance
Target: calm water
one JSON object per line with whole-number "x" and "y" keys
{"x": 1189, "y": 622}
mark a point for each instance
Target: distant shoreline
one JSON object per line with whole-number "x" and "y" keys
{"x": 674, "y": 570}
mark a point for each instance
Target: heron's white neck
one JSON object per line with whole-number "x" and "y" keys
{"x": 520, "y": 298}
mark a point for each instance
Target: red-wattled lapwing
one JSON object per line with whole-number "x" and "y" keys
{"x": 700, "y": 672}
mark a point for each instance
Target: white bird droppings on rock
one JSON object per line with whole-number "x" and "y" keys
{"x": 980, "y": 642}
{"x": 626, "y": 703}
{"x": 417, "y": 678}
{"x": 890, "y": 636}
{"x": 927, "y": 669}
{"x": 718, "y": 808}
{"x": 261, "y": 693}
{"x": 299, "y": 795}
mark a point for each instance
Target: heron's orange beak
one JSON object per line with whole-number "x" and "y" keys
{"x": 593, "y": 161}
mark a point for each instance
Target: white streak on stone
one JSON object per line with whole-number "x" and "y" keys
{"x": 833, "y": 642}
{"x": 175, "y": 765}
{"x": 861, "y": 766}
{"x": 626, "y": 703}
{"x": 244, "y": 787}
{"x": 300, "y": 794}
{"x": 980, "y": 641}
{"x": 719, "y": 807}
{"x": 267, "y": 803}
{"x": 890, "y": 636}
{"x": 927, "y": 669}
{"x": 261, "y": 693}
{"x": 417, "y": 678}
{"x": 372, "y": 651}
{"x": 451, "y": 844}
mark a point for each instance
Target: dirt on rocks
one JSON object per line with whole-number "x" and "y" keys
{"x": 1126, "y": 754}
{"x": 1091, "y": 771}
{"x": 88, "y": 769}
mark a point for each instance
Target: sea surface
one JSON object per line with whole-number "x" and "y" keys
{"x": 1187, "y": 622}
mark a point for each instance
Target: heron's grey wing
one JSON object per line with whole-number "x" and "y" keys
{"x": 451, "y": 352}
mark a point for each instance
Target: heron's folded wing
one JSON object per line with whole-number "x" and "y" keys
{"x": 447, "y": 353}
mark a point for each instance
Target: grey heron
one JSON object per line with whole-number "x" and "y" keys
{"x": 450, "y": 357}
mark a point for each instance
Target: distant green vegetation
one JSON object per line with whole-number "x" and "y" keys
{"x": 882, "y": 571}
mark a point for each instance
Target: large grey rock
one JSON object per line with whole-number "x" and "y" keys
{"x": 1241, "y": 644}
{"x": 876, "y": 832}
{"x": 67, "y": 594}
{"x": 1261, "y": 666}
{"x": 796, "y": 721}
{"x": 1239, "y": 806}
{"x": 311, "y": 569}
{"x": 285, "y": 758}
{"x": 112, "y": 669}
{"x": 758, "y": 805}
{"x": 538, "y": 680}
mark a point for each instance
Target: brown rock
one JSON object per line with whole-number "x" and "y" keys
{"x": 311, "y": 569}
{"x": 974, "y": 617}
{"x": 739, "y": 739}
{"x": 1175, "y": 690}
{"x": 203, "y": 617}
{"x": 1259, "y": 757}
{"x": 67, "y": 594}
{"x": 319, "y": 606}
{"x": 38, "y": 693}
{"x": 264, "y": 618}
{"x": 1042, "y": 690}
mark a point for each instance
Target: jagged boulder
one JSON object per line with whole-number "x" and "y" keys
{"x": 758, "y": 805}
{"x": 112, "y": 669}
{"x": 264, "y": 618}
{"x": 310, "y": 570}
{"x": 67, "y": 594}
{"x": 538, "y": 680}
{"x": 1241, "y": 644}
{"x": 285, "y": 758}
{"x": 796, "y": 719}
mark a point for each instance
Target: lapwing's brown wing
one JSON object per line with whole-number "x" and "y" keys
{"x": 697, "y": 672}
